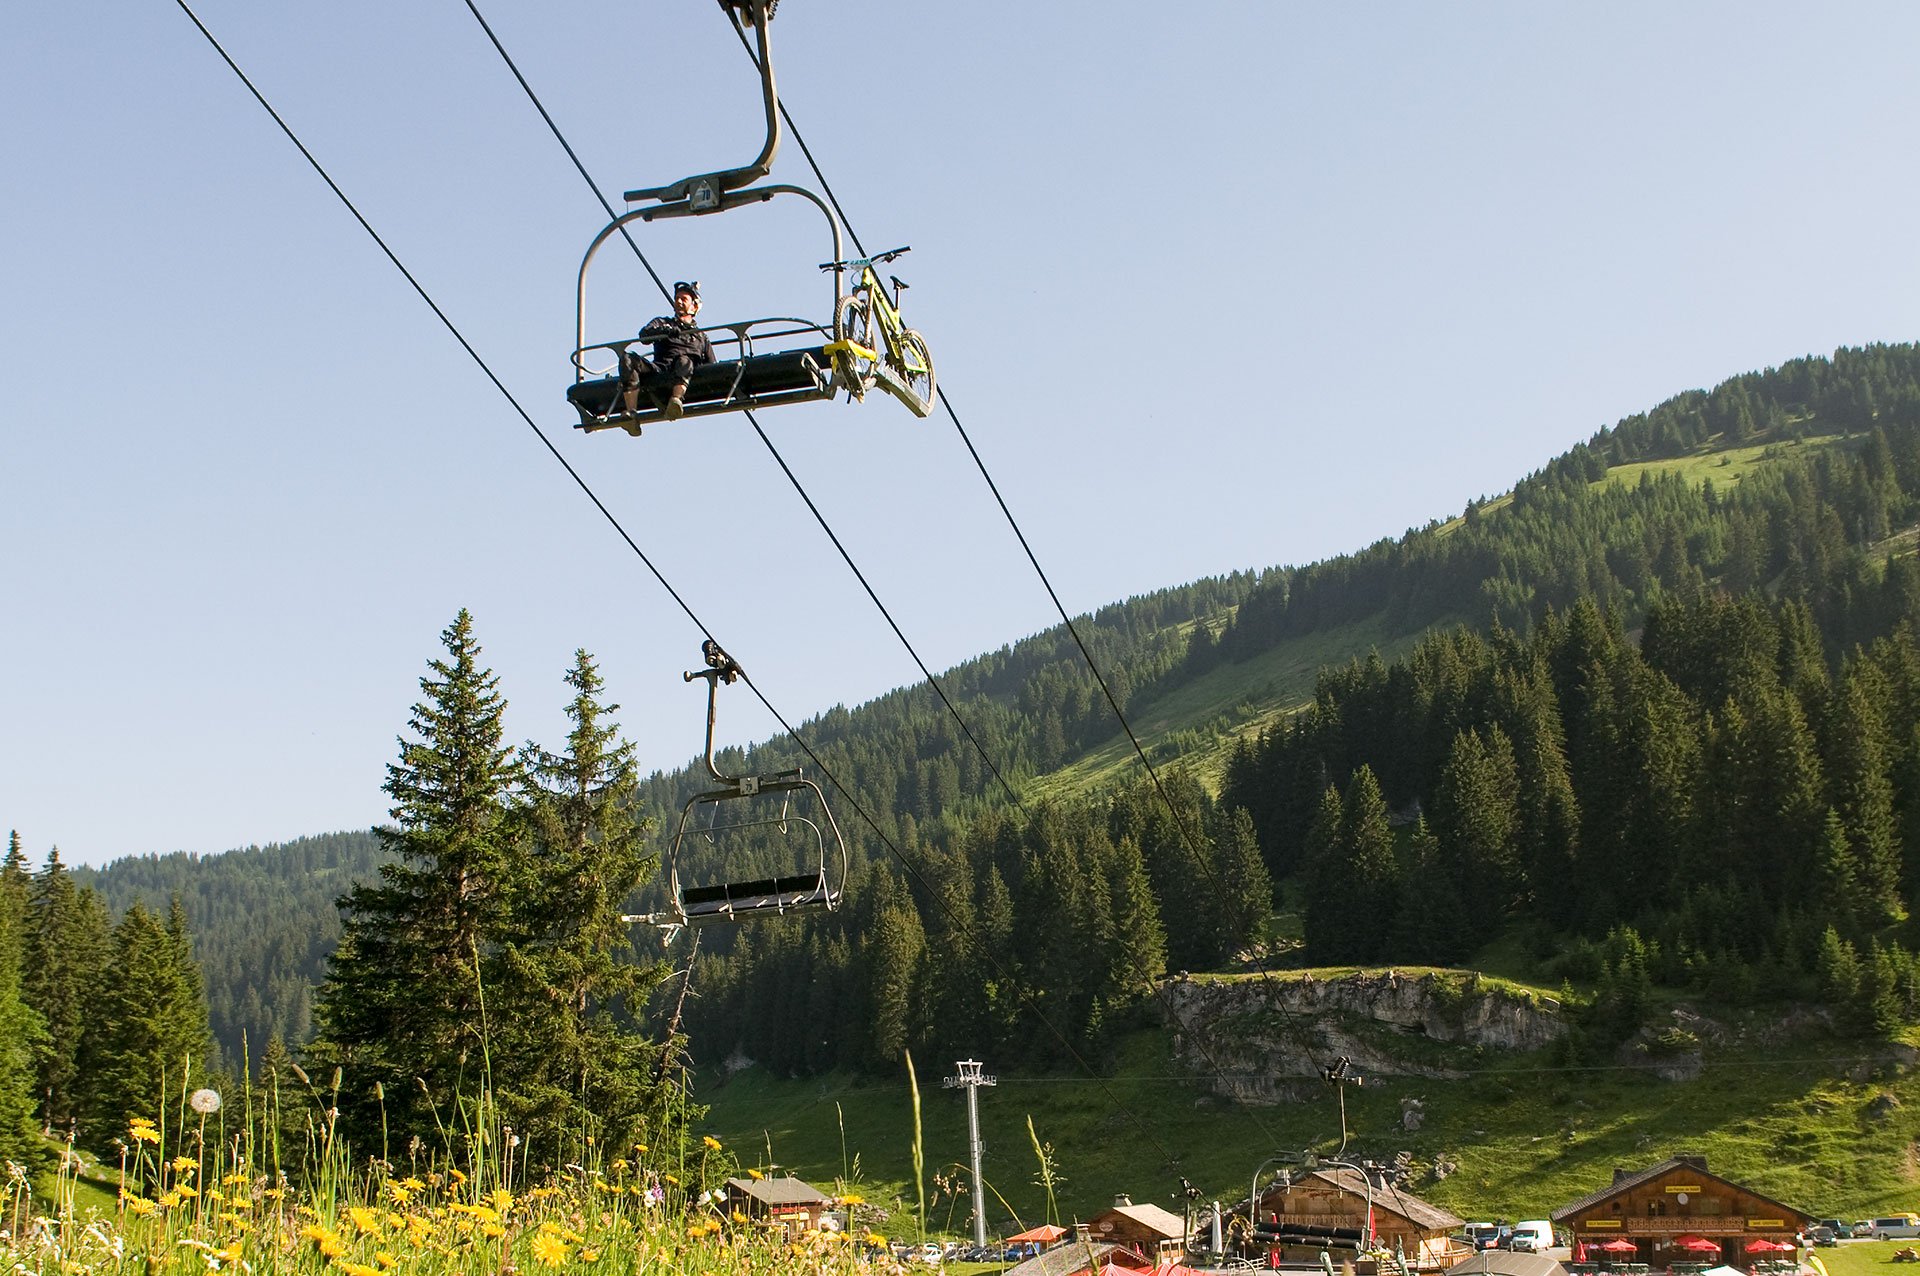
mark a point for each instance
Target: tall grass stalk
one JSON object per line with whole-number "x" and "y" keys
{"x": 919, "y": 1155}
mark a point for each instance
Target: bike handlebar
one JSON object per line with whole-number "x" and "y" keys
{"x": 861, "y": 263}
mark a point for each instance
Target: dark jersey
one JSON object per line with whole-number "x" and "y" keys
{"x": 674, "y": 339}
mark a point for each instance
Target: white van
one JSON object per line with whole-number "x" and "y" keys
{"x": 1532, "y": 1237}
{"x": 1897, "y": 1225}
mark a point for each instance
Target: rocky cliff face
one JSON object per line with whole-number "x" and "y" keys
{"x": 1256, "y": 1041}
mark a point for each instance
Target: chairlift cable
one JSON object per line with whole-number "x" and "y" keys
{"x": 594, "y": 186}
{"x": 1026, "y": 998}
{"x": 1193, "y": 848}
{"x": 558, "y": 136}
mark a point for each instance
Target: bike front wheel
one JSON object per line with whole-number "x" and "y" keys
{"x": 917, "y": 371}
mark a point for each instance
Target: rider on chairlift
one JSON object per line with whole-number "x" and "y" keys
{"x": 678, "y": 348}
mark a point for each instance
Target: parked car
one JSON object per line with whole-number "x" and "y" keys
{"x": 1842, "y": 1230}
{"x": 1823, "y": 1237}
{"x": 1892, "y": 1225}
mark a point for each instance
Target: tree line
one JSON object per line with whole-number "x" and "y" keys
{"x": 99, "y": 1020}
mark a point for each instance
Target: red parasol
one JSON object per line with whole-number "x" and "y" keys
{"x": 1618, "y": 1245}
{"x": 1761, "y": 1245}
{"x": 1698, "y": 1244}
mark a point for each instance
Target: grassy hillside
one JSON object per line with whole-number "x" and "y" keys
{"x": 1798, "y": 1124}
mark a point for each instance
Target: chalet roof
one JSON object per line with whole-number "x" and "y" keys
{"x": 1426, "y": 1217}
{"x": 1625, "y": 1181}
{"x": 1150, "y": 1216}
{"x": 785, "y": 1190}
{"x": 1072, "y": 1256}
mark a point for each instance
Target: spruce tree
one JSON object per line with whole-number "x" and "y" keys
{"x": 21, "y": 1032}
{"x": 151, "y": 1030}
{"x": 67, "y": 951}
{"x": 400, "y": 1009}
{"x": 562, "y": 1059}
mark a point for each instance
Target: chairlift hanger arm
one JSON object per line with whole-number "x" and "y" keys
{"x": 705, "y": 192}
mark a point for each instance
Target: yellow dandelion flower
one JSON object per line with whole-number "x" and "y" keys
{"x": 755, "y": 1174}
{"x": 356, "y": 1269}
{"x": 413, "y": 1184}
{"x": 852, "y": 1198}
{"x": 144, "y": 1134}
{"x": 233, "y": 1180}
{"x": 140, "y": 1205}
{"x": 589, "y": 1255}
{"x": 589, "y": 1140}
{"x": 493, "y": 1230}
{"x": 186, "y": 1189}
{"x": 641, "y": 1148}
{"x": 170, "y": 1200}
{"x": 696, "y": 1231}
{"x": 457, "y": 1176}
{"x": 668, "y": 1178}
{"x": 549, "y": 1251}
{"x": 502, "y": 1199}
{"x": 396, "y": 1221}
{"x": 619, "y": 1166}
{"x": 710, "y": 1141}
{"x": 399, "y": 1193}
{"x": 572, "y": 1235}
{"x": 385, "y": 1259}
{"x": 738, "y": 1217}
{"x": 184, "y": 1164}
{"x": 365, "y": 1221}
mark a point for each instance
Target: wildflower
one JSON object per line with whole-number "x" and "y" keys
{"x": 413, "y": 1184}
{"x": 641, "y": 1148}
{"x": 619, "y": 1166}
{"x": 457, "y": 1176}
{"x": 186, "y": 1189}
{"x": 710, "y": 1141}
{"x": 738, "y": 1217}
{"x": 231, "y": 1254}
{"x": 141, "y": 1130}
{"x": 549, "y": 1250}
{"x": 755, "y": 1174}
{"x": 356, "y": 1269}
{"x": 668, "y": 1178}
{"x": 170, "y": 1200}
{"x": 185, "y": 1165}
{"x": 399, "y": 1193}
{"x": 140, "y": 1205}
{"x": 233, "y": 1180}
{"x": 589, "y": 1255}
{"x": 365, "y": 1220}
{"x": 589, "y": 1140}
{"x": 853, "y": 1198}
{"x": 385, "y": 1259}
{"x": 502, "y": 1199}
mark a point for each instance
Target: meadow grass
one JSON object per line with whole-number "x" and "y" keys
{"x": 193, "y": 1197}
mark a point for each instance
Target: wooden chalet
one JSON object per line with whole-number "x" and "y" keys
{"x": 1337, "y": 1198}
{"x": 1678, "y": 1212}
{"x": 1147, "y": 1230}
{"x": 785, "y": 1202}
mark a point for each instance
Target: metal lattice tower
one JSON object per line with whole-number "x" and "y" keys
{"x": 971, "y": 1079}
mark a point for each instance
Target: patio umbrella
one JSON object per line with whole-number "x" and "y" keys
{"x": 1579, "y": 1251}
{"x": 1761, "y": 1245}
{"x": 1698, "y": 1244}
{"x": 1618, "y": 1245}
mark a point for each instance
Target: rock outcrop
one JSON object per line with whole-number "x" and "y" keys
{"x": 1265, "y": 1041}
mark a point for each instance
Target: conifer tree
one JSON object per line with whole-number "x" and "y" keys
{"x": 562, "y": 1060}
{"x": 1324, "y": 918}
{"x": 1370, "y": 874}
{"x": 1136, "y": 941}
{"x": 1863, "y": 792}
{"x": 21, "y": 1031}
{"x": 151, "y": 1031}
{"x": 400, "y": 1009}
{"x": 67, "y": 950}
{"x": 1243, "y": 877}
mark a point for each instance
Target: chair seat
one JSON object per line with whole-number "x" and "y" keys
{"x": 761, "y": 375}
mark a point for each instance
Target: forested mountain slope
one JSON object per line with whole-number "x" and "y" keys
{"x": 1813, "y": 466}
{"x": 263, "y": 923}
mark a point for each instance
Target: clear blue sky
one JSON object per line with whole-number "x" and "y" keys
{"x": 1212, "y": 286}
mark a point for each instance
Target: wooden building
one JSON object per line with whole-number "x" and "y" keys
{"x": 1333, "y": 1197}
{"x": 1147, "y": 1230}
{"x": 1678, "y": 1211}
{"x": 784, "y": 1201}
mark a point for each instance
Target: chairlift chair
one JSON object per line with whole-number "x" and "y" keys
{"x": 811, "y": 359}
{"x": 817, "y": 883}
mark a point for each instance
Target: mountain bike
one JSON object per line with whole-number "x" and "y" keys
{"x": 872, "y": 345}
